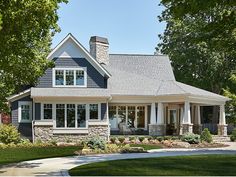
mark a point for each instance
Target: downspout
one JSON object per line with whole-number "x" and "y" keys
{"x": 33, "y": 122}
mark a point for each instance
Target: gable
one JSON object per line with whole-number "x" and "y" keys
{"x": 69, "y": 47}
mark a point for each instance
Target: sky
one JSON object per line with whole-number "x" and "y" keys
{"x": 131, "y": 26}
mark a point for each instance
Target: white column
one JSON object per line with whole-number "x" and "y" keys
{"x": 160, "y": 117}
{"x": 181, "y": 115}
{"x": 222, "y": 115}
{"x": 198, "y": 116}
{"x": 187, "y": 114}
{"x": 153, "y": 114}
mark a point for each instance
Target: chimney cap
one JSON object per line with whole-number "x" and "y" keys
{"x": 99, "y": 39}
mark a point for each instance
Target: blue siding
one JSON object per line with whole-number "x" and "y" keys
{"x": 24, "y": 128}
{"x": 94, "y": 78}
{"x": 37, "y": 111}
{"x": 103, "y": 110}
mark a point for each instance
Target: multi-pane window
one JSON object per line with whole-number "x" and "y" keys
{"x": 60, "y": 115}
{"x": 131, "y": 116}
{"x": 93, "y": 111}
{"x": 140, "y": 117}
{"x": 70, "y": 77}
{"x": 121, "y": 114}
{"x": 25, "y": 112}
{"x": 112, "y": 116}
{"x": 59, "y": 77}
{"x": 47, "y": 111}
{"x": 70, "y": 115}
{"x": 81, "y": 115}
{"x": 80, "y": 77}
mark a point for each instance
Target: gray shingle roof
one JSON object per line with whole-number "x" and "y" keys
{"x": 149, "y": 75}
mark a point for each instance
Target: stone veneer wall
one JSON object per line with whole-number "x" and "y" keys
{"x": 45, "y": 134}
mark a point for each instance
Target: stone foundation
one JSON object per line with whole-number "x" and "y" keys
{"x": 157, "y": 130}
{"x": 197, "y": 129}
{"x": 45, "y": 134}
{"x": 222, "y": 130}
{"x": 186, "y": 128}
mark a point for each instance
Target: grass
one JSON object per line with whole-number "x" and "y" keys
{"x": 198, "y": 165}
{"x": 146, "y": 146}
{"x": 11, "y": 155}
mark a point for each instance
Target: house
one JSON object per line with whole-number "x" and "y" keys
{"x": 97, "y": 94}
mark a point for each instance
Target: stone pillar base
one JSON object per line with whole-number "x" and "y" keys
{"x": 186, "y": 128}
{"x": 197, "y": 128}
{"x": 157, "y": 130}
{"x": 222, "y": 130}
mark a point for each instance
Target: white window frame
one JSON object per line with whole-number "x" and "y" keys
{"x": 42, "y": 112}
{"x": 20, "y": 103}
{"x": 126, "y": 118}
{"x": 64, "y": 74}
{"x": 99, "y": 112}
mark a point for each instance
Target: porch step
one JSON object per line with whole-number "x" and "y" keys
{"x": 217, "y": 138}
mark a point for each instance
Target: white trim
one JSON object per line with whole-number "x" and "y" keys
{"x": 97, "y": 123}
{"x": 64, "y": 75}
{"x": 91, "y": 60}
{"x": 43, "y": 123}
{"x": 70, "y": 131}
{"x": 99, "y": 112}
{"x": 19, "y": 95}
{"x": 20, "y": 103}
{"x": 42, "y": 111}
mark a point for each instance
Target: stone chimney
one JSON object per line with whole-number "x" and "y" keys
{"x": 99, "y": 49}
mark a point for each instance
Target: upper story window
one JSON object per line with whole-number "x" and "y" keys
{"x": 69, "y": 77}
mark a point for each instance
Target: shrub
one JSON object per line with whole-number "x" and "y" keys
{"x": 206, "y": 136}
{"x": 141, "y": 138}
{"x": 113, "y": 140}
{"x": 112, "y": 148}
{"x": 191, "y": 138}
{"x": 150, "y": 138}
{"x": 160, "y": 138}
{"x": 132, "y": 138}
{"x": 233, "y": 135}
{"x": 121, "y": 139}
{"x": 96, "y": 143}
{"x": 9, "y": 134}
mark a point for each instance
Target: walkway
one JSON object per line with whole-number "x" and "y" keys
{"x": 60, "y": 166}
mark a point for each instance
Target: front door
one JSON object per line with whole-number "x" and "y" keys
{"x": 172, "y": 122}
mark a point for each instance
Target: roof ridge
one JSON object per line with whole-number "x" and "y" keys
{"x": 136, "y": 54}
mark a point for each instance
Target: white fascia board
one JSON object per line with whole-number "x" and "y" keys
{"x": 18, "y": 96}
{"x": 91, "y": 60}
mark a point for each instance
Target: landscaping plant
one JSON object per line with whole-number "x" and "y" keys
{"x": 96, "y": 143}
{"x": 191, "y": 138}
{"x": 121, "y": 139}
{"x": 206, "y": 136}
{"x": 141, "y": 138}
{"x": 9, "y": 134}
{"x": 233, "y": 135}
{"x": 113, "y": 140}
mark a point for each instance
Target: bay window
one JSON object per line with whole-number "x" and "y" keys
{"x": 69, "y": 77}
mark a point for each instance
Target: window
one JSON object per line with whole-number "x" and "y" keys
{"x": 93, "y": 111}
{"x": 60, "y": 115}
{"x": 59, "y": 74}
{"x": 131, "y": 116}
{"x": 121, "y": 114}
{"x": 81, "y": 115}
{"x": 47, "y": 111}
{"x": 70, "y": 115}
{"x": 112, "y": 116}
{"x": 80, "y": 77}
{"x": 70, "y": 77}
{"x": 25, "y": 111}
{"x": 140, "y": 117}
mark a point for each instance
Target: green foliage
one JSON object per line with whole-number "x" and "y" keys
{"x": 113, "y": 139}
{"x": 96, "y": 143}
{"x": 191, "y": 138}
{"x": 132, "y": 138}
{"x": 121, "y": 139}
{"x": 25, "y": 39}
{"x": 9, "y": 134}
{"x": 159, "y": 138}
{"x": 233, "y": 135}
{"x": 141, "y": 138}
{"x": 206, "y": 136}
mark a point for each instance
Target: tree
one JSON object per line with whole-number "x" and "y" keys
{"x": 25, "y": 37}
{"x": 200, "y": 38}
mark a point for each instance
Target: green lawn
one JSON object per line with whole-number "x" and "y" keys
{"x": 10, "y": 155}
{"x": 146, "y": 146}
{"x": 198, "y": 165}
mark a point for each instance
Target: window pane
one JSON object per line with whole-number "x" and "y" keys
{"x": 80, "y": 77}
{"x": 112, "y": 116}
{"x": 69, "y": 77}
{"x": 60, "y": 115}
{"x": 140, "y": 117}
{"x": 93, "y": 111}
{"x": 59, "y": 74}
{"x": 131, "y": 116}
{"x": 47, "y": 111}
{"x": 25, "y": 112}
{"x": 70, "y": 115}
{"x": 121, "y": 114}
{"x": 81, "y": 115}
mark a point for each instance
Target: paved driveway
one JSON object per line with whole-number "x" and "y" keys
{"x": 60, "y": 166}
